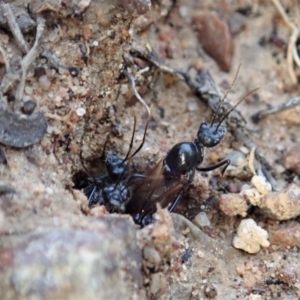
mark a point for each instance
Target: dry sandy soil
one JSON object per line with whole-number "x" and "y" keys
{"x": 52, "y": 246}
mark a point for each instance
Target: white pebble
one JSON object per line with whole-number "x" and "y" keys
{"x": 261, "y": 185}
{"x": 252, "y": 195}
{"x": 183, "y": 11}
{"x": 49, "y": 190}
{"x": 44, "y": 82}
{"x": 192, "y": 106}
{"x": 28, "y": 90}
{"x": 80, "y": 111}
{"x": 202, "y": 220}
{"x": 250, "y": 237}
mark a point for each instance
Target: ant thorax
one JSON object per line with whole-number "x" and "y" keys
{"x": 116, "y": 196}
{"x": 181, "y": 159}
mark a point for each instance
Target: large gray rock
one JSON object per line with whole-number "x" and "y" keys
{"x": 104, "y": 263}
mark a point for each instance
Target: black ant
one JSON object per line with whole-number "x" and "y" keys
{"x": 112, "y": 187}
{"x": 167, "y": 181}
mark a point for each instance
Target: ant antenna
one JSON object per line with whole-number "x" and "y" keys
{"x": 132, "y": 83}
{"x": 225, "y": 95}
{"x": 227, "y": 114}
{"x": 131, "y": 140}
{"x": 144, "y": 138}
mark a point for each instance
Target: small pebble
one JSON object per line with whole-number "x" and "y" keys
{"x": 80, "y": 111}
{"x": 291, "y": 159}
{"x": 288, "y": 275}
{"x": 139, "y": 6}
{"x": 233, "y": 204}
{"x": 158, "y": 283}
{"x": 28, "y": 90}
{"x": 83, "y": 5}
{"x": 192, "y": 106}
{"x": 236, "y": 157}
{"x": 49, "y": 190}
{"x": 202, "y": 220}
{"x": 252, "y": 195}
{"x": 286, "y": 237}
{"x": 282, "y": 205}
{"x": 45, "y": 82}
{"x": 152, "y": 255}
{"x": 250, "y": 237}
{"x": 183, "y": 11}
{"x": 210, "y": 291}
{"x": 254, "y": 297}
{"x": 261, "y": 185}
{"x": 28, "y": 107}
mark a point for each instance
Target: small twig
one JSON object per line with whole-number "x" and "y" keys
{"x": 54, "y": 61}
{"x": 251, "y": 161}
{"x": 6, "y": 189}
{"x": 65, "y": 119}
{"x": 14, "y": 27}
{"x": 291, "y": 53}
{"x": 12, "y": 75}
{"x": 141, "y": 100}
{"x": 3, "y": 157}
{"x": 4, "y": 56}
{"x": 34, "y": 51}
{"x": 132, "y": 83}
{"x": 27, "y": 61}
{"x": 275, "y": 109}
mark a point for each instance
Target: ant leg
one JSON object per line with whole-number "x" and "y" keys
{"x": 176, "y": 200}
{"x": 224, "y": 163}
{"x": 136, "y": 176}
{"x": 91, "y": 196}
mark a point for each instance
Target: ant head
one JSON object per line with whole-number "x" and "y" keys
{"x": 209, "y": 135}
{"x": 115, "y": 166}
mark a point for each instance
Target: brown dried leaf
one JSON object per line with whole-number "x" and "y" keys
{"x": 214, "y": 35}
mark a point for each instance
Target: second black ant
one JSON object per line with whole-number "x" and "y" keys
{"x": 112, "y": 188}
